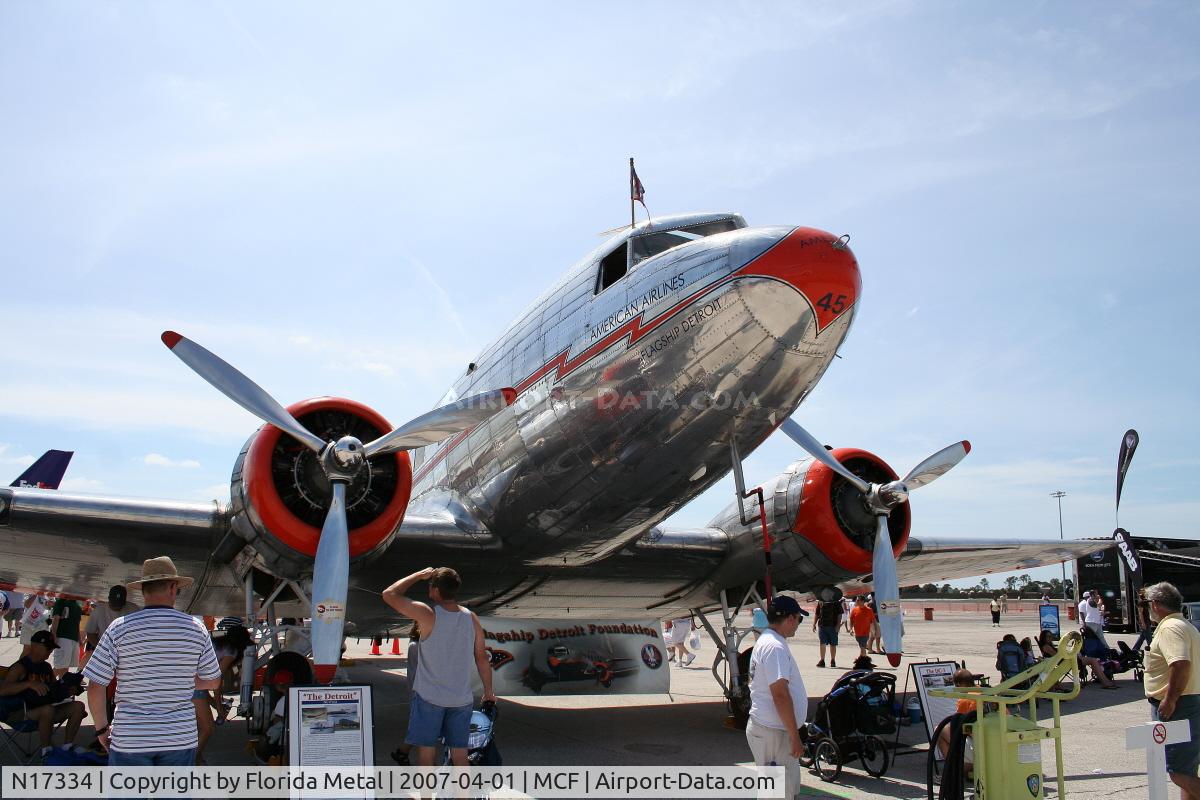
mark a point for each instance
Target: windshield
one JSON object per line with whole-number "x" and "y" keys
{"x": 651, "y": 244}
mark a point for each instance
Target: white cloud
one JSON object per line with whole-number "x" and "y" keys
{"x": 217, "y": 491}
{"x": 159, "y": 460}
{"x": 22, "y": 460}
{"x": 79, "y": 484}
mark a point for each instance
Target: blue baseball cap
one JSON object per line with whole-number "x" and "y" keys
{"x": 783, "y": 606}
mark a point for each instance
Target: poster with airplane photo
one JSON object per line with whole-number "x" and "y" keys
{"x": 934, "y": 675}
{"x": 330, "y": 726}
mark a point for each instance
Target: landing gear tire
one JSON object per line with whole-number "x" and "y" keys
{"x": 827, "y": 760}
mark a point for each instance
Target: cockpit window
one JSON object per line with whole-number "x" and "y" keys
{"x": 712, "y": 228}
{"x": 614, "y": 265}
{"x": 651, "y": 244}
{"x": 654, "y": 243}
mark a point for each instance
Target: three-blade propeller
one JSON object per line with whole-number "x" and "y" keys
{"x": 341, "y": 461}
{"x": 880, "y": 499}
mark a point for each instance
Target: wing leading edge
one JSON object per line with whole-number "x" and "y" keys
{"x": 931, "y": 559}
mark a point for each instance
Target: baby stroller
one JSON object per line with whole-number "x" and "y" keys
{"x": 1112, "y": 661}
{"x": 1129, "y": 659}
{"x": 849, "y": 721}
{"x": 481, "y": 741}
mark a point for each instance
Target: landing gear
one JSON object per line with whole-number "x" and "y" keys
{"x": 730, "y": 668}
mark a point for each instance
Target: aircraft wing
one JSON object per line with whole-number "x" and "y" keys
{"x": 933, "y": 559}
{"x": 82, "y": 544}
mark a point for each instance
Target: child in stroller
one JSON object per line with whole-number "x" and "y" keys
{"x": 849, "y": 721}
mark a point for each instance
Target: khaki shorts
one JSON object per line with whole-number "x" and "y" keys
{"x": 66, "y": 656}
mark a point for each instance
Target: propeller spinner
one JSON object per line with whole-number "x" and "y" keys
{"x": 340, "y": 461}
{"x": 880, "y": 499}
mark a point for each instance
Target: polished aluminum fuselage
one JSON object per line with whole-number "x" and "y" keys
{"x": 628, "y": 399}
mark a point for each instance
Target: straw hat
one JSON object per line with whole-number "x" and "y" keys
{"x": 161, "y": 569}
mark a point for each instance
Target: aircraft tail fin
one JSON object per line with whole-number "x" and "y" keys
{"x": 47, "y": 472}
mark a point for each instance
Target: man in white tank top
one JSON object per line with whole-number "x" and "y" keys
{"x": 451, "y": 639}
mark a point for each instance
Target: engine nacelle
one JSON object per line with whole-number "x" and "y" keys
{"x": 280, "y": 493}
{"x": 831, "y": 513}
{"x": 822, "y": 532}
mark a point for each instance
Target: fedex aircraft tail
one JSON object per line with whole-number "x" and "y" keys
{"x": 47, "y": 472}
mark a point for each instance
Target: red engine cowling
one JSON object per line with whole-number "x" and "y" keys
{"x": 281, "y": 493}
{"x": 832, "y": 515}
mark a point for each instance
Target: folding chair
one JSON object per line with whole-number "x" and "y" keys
{"x": 12, "y": 736}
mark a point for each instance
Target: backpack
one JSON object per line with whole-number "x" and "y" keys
{"x": 1010, "y": 659}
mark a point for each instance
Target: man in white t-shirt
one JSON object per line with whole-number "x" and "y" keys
{"x": 36, "y": 618}
{"x": 1092, "y": 615}
{"x": 778, "y": 699}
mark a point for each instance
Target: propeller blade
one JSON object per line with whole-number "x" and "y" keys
{"x": 238, "y": 388}
{"x": 887, "y": 593}
{"x": 442, "y": 423}
{"x": 815, "y": 449}
{"x": 936, "y": 465}
{"x": 331, "y": 575}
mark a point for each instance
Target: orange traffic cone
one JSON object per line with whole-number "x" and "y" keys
{"x": 395, "y": 646}
{"x": 375, "y": 646}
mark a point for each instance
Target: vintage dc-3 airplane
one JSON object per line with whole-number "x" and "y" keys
{"x": 629, "y": 387}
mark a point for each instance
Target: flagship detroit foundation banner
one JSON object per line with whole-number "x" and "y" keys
{"x": 539, "y": 656}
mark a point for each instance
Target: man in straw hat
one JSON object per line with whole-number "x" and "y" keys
{"x": 161, "y": 657}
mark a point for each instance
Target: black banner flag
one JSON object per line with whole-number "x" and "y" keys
{"x": 1129, "y": 443}
{"x": 1129, "y": 555}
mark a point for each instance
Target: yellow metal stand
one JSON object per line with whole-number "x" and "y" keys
{"x": 1008, "y": 744}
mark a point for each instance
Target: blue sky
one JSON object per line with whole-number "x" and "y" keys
{"x": 354, "y": 201}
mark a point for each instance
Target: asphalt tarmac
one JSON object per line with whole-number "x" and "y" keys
{"x": 686, "y": 728}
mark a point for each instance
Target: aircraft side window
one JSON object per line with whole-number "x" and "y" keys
{"x": 612, "y": 269}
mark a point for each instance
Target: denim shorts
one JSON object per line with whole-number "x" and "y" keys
{"x": 428, "y": 723}
{"x": 827, "y": 634}
{"x": 1184, "y": 758}
{"x": 862, "y": 640}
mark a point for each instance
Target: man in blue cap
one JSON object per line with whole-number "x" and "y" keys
{"x": 778, "y": 699}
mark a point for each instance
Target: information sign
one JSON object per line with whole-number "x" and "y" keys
{"x": 330, "y": 726}
{"x": 934, "y": 675}
{"x": 1048, "y": 619}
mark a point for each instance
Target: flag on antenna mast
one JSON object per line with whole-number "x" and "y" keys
{"x": 637, "y": 192}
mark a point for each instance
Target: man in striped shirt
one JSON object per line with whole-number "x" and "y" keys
{"x": 159, "y": 656}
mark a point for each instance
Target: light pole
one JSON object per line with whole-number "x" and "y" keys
{"x": 1059, "y": 496}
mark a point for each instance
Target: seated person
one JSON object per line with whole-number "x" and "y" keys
{"x": 1010, "y": 657}
{"x": 962, "y": 678}
{"x": 1095, "y": 654}
{"x": 31, "y": 692}
{"x": 1047, "y": 647}
{"x": 1031, "y": 657}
